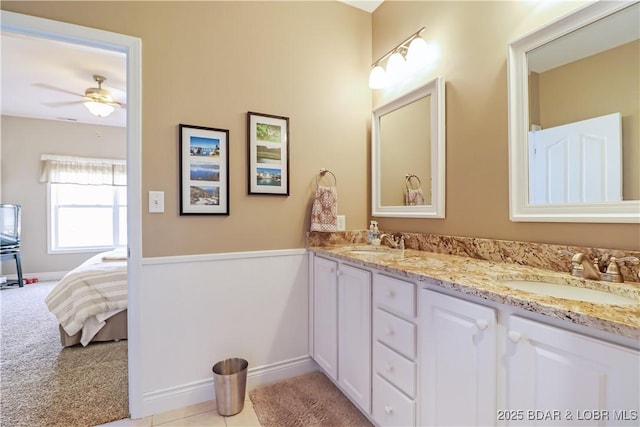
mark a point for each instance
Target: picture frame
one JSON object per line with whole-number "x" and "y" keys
{"x": 204, "y": 170}
{"x": 268, "y": 154}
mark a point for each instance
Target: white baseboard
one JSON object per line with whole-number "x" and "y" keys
{"x": 274, "y": 372}
{"x": 184, "y": 395}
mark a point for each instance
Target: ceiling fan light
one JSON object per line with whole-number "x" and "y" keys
{"x": 99, "y": 109}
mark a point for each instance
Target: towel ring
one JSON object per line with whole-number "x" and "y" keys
{"x": 407, "y": 181}
{"x": 323, "y": 172}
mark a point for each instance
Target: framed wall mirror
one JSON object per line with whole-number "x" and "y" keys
{"x": 574, "y": 118}
{"x": 408, "y": 154}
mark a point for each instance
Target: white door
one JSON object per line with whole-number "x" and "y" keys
{"x": 325, "y": 315}
{"x": 577, "y": 162}
{"x": 354, "y": 334}
{"x": 458, "y": 362}
{"x": 556, "y": 377}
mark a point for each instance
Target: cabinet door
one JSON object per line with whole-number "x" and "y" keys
{"x": 354, "y": 336}
{"x": 557, "y": 377}
{"x": 325, "y": 315}
{"x": 459, "y": 356}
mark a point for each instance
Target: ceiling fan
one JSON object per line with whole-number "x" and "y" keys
{"x": 97, "y": 100}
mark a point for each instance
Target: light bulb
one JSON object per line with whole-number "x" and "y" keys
{"x": 396, "y": 67}
{"x": 418, "y": 50}
{"x": 377, "y": 78}
{"x": 421, "y": 53}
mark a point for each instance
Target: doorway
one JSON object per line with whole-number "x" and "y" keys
{"x": 131, "y": 47}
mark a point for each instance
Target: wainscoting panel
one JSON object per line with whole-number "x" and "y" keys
{"x": 198, "y": 310}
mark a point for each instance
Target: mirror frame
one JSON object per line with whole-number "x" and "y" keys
{"x": 435, "y": 89}
{"x": 626, "y": 211}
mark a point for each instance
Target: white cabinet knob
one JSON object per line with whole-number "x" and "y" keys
{"x": 514, "y": 336}
{"x": 390, "y": 293}
{"x": 482, "y": 324}
{"x": 388, "y": 409}
{"x": 389, "y": 368}
{"x": 388, "y": 332}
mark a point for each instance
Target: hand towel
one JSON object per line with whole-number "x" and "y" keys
{"x": 414, "y": 197}
{"x": 324, "y": 212}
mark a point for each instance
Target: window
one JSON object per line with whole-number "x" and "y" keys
{"x": 87, "y": 217}
{"x": 87, "y": 203}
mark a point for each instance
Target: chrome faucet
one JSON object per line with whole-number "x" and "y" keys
{"x": 392, "y": 242}
{"x": 581, "y": 266}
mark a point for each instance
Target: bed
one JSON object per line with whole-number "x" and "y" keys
{"x": 90, "y": 301}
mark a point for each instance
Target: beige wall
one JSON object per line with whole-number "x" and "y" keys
{"x": 23, "y": 142}
{"x": 594, "y": 86}
{"x": 473, "y": 39}
{"x": 208, "y": 64}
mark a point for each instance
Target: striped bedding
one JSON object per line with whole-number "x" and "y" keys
{"x": 90, "y": 293}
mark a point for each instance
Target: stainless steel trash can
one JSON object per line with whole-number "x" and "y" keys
{"x": 230, "y": 381}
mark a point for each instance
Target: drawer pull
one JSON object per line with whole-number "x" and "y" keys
{"x": 388, "y": 410}
{"x": 390, "y": 293}
{"x": 388, "y": 332}
{"x": 514, "y": 336}
{"x": 389, "y": 368}
{"x": 481, "y": 324}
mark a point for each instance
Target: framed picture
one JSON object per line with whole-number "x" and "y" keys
{"x": 204, "y": 171}
{"x": 268, "y": 150}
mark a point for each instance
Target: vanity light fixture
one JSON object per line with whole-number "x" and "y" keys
{"x": 409, "y": 55}
{"x": 396, "y": 67}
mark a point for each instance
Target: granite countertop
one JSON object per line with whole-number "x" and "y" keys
{"x": 482, "y": 279}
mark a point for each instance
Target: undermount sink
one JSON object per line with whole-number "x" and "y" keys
{"x": 362, "y": 252}
{"x": 369, "y": 250}
{"x": 545, "y": 288}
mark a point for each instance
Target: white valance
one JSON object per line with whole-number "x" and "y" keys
{"x": 82, "y": 170}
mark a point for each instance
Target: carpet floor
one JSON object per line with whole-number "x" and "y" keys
{"x": 44, "y": 384}
{"x": 305, "y": 401}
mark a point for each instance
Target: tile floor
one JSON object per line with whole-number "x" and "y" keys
{"x": 201, "y": 415}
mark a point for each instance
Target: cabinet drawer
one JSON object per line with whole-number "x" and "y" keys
{"x": 390, "y": 406}
{"x": 394, "y": 368}
{"x": 398, "y": 334}
{"x": 395, "y": 295}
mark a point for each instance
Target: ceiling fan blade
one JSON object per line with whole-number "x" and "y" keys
{"x": 50, "y": 87}
{"x": 61, "y": 104}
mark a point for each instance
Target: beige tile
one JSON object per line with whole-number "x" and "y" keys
{"x": 206, "y": 419}
{"x": 246, "y": 418}
{"x": 189, "y": 411}
{"x": 128, "y": 422}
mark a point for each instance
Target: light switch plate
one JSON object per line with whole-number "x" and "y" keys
{"x": 156, "y": 201}
{"x": 341, "y": 223}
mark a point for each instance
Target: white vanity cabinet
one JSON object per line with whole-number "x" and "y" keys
{"x": 354, "y": 334}
{"x": 568, "y": 378}
{"x": 413, "y": 354}
{"x": 325, "y": 315}
{"x": 342, "y": 327}
{"x": 458, "y": 361}
{"x": 394, "y": 352}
